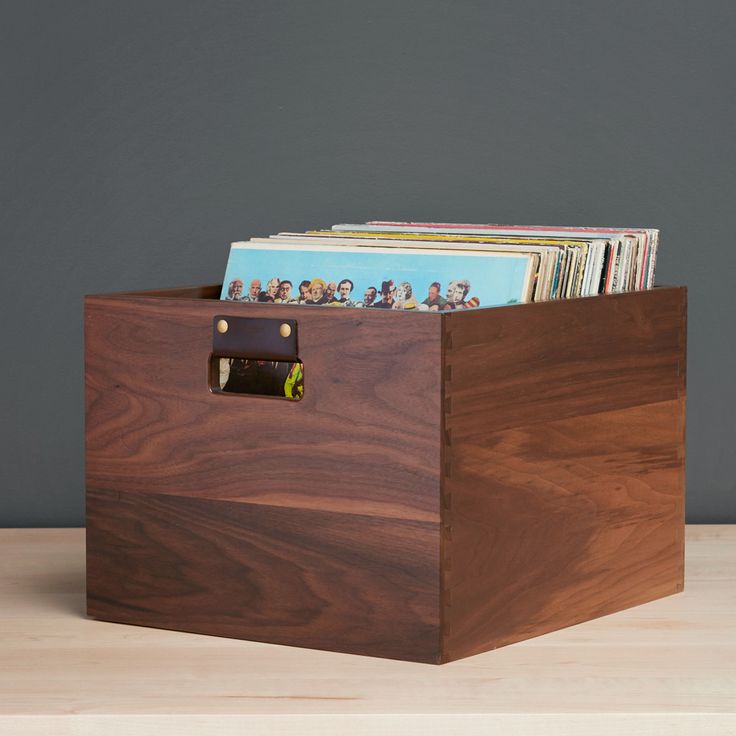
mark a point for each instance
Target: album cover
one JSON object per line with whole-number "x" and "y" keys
{"x": 376, "y": 278}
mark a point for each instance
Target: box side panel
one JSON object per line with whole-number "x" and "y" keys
{"x": 563, "y": 484}
{"x": 534, "y": 362}
{"x": 300, "y": 577}
{"x": 364, "y": 439}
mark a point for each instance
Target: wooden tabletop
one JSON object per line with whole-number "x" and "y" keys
{"x": 664, "y": 667}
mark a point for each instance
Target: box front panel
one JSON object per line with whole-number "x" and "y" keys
{"x": 364, "y": 439}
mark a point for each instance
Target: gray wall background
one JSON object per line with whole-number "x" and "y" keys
{"x": 140, "y": 138}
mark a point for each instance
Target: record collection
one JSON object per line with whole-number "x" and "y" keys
{"x": 439, "y": 266}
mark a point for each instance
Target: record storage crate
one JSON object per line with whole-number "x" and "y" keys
{"x": 450, "y": 482}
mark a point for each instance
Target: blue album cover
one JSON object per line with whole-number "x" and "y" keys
{"x": 377, "y": 278}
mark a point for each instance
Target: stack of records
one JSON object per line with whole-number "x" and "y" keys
{"x": 439, "y": 266}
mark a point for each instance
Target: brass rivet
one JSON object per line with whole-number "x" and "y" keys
{"x": 285, "y": 330}
{"x": 222, "y": 325}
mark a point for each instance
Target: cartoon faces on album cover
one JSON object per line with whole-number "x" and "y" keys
{"x": 334, "y": 293}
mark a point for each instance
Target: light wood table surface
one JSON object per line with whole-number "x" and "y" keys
{"x": 667, "y": 667}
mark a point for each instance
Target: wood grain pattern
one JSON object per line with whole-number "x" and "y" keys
{"x": 363, "y": 439}
{"x": 333, "y": 581}
{"x": 563, "y": 488}
{"x": 532, "y": 362}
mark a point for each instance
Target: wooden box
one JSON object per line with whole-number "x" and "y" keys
{"x": 449, "y": 483}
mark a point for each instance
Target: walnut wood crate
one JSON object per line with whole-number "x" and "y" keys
{"x": 450, "y": 483}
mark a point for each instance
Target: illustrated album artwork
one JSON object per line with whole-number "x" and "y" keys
{"x": 379, "y": 278}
